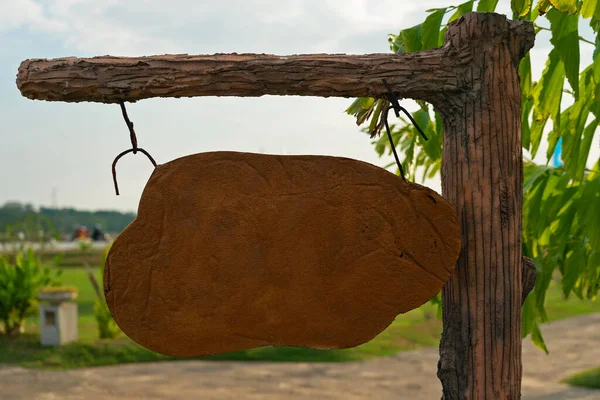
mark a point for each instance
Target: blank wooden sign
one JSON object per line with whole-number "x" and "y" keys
{"x": 233, "y": 251}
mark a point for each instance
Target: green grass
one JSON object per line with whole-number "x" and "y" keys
{"x": 588, "y": 379}
{"x": 558, "y": 308}
{"x": 415, "y": 329}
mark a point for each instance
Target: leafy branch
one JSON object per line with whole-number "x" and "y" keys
{"x": 536, "y": 26}
{"x": 560, "y": 213}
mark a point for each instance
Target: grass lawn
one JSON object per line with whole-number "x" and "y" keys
{"x": 588, "y": 379}
{"x": 412, "y": 330}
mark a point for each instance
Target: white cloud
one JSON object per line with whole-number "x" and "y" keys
{"x": 28, "y": 13}
{"x": 137, "y": 27}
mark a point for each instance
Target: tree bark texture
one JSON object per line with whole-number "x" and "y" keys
{"x": 472, "y": 81}
{"x": 110, "y": 79}
{"x": 482, "y": 176}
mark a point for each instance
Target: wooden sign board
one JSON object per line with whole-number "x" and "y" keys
{"x": 233, "y": 251}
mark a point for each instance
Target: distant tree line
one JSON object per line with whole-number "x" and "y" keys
{"x": 16, "y": 217}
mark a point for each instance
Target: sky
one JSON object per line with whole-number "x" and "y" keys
{"x": 60, "y": 154}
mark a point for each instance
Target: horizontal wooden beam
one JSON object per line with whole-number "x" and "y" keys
{"x": 109, "y": 79}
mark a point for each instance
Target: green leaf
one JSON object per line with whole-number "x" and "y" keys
{"x": 547, "y": 94}
{"x": 556, "y": 195}
{"x": 526, "y": 107}
{"x": 593, "y": 267}
{"x": 534, "y": 197}
{"x": 373, "y": 126}
{"x": 412, "y": 38}
{"x": 525, "y": 76}
{"x": 595, "y": 24}
{"x": 395, "y": 44}
{"x": 573, "y": 266}
{"x": 565, "y": 221}
{"x": 526, "y": 99}
{"x": 520, "y": 7}
{"x": 590, "y": 8}
{"x": 461, "y": 10}
{"x": 542, "y": 282}
{"x": 576, "y": 149}
{"x": 543, "y": 6}
{"x": 433, "y": 146}
{"x": 361, "y": 108}
{"x": 431, "y": 30}
{"x": 565, "y": 39}
{"x": 586, "y": 144}
{"x": 433, "y": 168}
{"x": 528, "y": 315}
{"x": 355, "y": 107}
{"x": 366, "y": 102}
{"x": 487, "y": 5}
{"x": 422, "y": 119}
{"x": 557, "y": 132}
{"x": 589, "y": 210}
{"x": 577, "y": 137}
{"x": 531, "y": 173}
{"x": 595, "y": 84}
{"x": 536, "y": 131}
{"x": 537, "y": 339}
{"x": 380, "y": 145}
{"x": 565, "y": 6}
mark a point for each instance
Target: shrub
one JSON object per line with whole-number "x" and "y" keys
{"x": 19, "y": 285}
{"x": 107, "y": 327}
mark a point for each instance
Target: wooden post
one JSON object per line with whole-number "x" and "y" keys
{"x": 472, "y": 82}
{"x": 482, "y": 175}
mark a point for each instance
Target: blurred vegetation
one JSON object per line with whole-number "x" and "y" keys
{"x": 416, "y": 329}
{"x": 107, "y": 327}
{"x": 589, "y": 379}
{"x": 561, "y": 213}
{"x": 19, "y": 285}
{"x": 53, "y": 222}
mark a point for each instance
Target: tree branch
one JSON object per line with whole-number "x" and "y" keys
{"x": 110, "y": 79}
{"x": 438, "y": 76}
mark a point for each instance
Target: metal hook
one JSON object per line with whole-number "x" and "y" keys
{"x": 397, "y": 108}
{"x": 134, "y": 147}
{"x": 389, "y": 134}
{"x": 132, "y": 135}
{"x": 114, "y": 164}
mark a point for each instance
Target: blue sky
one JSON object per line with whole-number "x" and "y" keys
{"x": 68, "y": 148}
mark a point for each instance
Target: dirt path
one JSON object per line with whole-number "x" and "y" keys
{"x": 574, "y": 345}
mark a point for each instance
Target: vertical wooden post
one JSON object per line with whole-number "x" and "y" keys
{"x": 480, "y": 351}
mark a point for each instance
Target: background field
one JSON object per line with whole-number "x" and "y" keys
{"x": 412, "y": 330}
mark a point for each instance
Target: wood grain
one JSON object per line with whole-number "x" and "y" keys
{"x": 233, "y": 251}
{"x": 109, "y": 79}
{"x": 482, "y": 176}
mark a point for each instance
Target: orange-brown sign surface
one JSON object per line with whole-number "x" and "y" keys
{"x": 233, "y": 251}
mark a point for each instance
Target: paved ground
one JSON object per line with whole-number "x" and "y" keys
{"x": 574, "y": 344}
